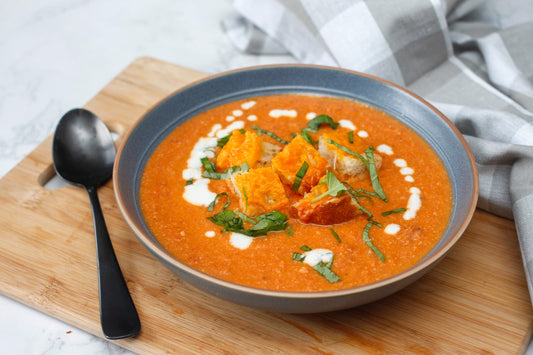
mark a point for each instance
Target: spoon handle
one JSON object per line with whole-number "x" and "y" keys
{"x": 118, "y": 315}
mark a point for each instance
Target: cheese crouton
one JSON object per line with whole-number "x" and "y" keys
{"x": 260, "y": 190}
{"x": 326, "y": 210}
{"x": 240, "y": 148}
{"x": 345, "y": 164}
{"x": 289, "y": 161}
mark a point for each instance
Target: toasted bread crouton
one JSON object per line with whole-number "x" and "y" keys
{"x": 345, "y": 164}
{"x": 260, "y": 190}
{"x": 289, "y": 161}
{"x": 268, "y": 152}
{"x": 328, "y": 209}
{"x": 240, "y": 148}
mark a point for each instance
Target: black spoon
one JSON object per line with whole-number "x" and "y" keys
{"x": 83, "y": 153}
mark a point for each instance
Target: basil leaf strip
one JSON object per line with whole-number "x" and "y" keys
{"x": 370, "y": 166}
{"x": 299, "y": 176}
{"x": 221, "y": 142}
{"x": 305, "y": 248}
{"x": 350, "y": 136}
{"x": 335, "y": 235}
{"x": 354, "y": 196}
{"x": 374, "y": 174}
{"x": 398, "y": 210}
{"x": 335, "y": 187}
{"x": 307, "y": 137}
{"x": 298, "y": 256}
{"x": 228, "y": 220}
{"x": 214, "y": 175}
{"x": 232, "y": 221}
{"x": 212, "y": 205}
{"x": 208, "y": 165}
{"x": 189, "y": 182}
{"x": 368, "y": 241}
{"x": 315, "y": 123}
{"x": 261, "y": 131}
{"x": 325, "y": 271}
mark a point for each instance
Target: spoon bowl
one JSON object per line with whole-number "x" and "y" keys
{"x": 84, "y": 153}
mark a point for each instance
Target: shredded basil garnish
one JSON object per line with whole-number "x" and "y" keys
{"x": 374, "y": 223}
{"x": 299, "y": 176}
{"x": 354, "y": 196}
{"x": 326, "y": 272}
{"x": 208, "y": 165}
{"x": 398, "y": 210}
{"x": 298, "y": 257}
{"x": 289, "y": 231}
{"x": 363, "y": 193}
{"x": 350, "y": 136}
{"x": 370, "y": 166}
{"x": 368, "y": 241}
{"x": 374, "y": 174}
{"x": 305, "y": 248}
{"x": 244, "y": 217}
{"x": 212, "y": 205}
{"x": 335, "y": 187}
{"x": 307, "y": 137}
{"x": 245, "y": 198}
{"x": 323, "y": 269}
{"x": 233, "y": 221}
{"x": 221, "y": 142}
{"x": 261, "y": 131}
{"x": 189, "y": 182}
{"x": 335, "y": 235}
{"x": 315, "y": 123}
{"x": 214, "y": 175}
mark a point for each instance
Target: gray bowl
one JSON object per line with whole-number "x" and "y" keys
{"x": 408, "y": 108}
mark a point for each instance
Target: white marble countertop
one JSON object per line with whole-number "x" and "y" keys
{"x": 56, "y": 55}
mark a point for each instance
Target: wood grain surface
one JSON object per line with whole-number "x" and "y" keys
{"x": 475, "y": 301}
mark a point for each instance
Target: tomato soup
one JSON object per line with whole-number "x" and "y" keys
{"x": 296, "y": 193}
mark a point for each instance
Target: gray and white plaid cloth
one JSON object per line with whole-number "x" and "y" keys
{"x": 472, "y": 59}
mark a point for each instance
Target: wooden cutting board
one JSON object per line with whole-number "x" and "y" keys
{"x": 475, "y": 301}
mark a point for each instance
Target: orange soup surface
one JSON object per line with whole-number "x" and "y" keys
{"x": 328, "y": 225}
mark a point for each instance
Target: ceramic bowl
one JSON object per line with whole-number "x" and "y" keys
{"x": 405, "y": 106}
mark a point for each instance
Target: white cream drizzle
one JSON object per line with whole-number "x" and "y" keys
{"x": 252, "y": 118}
{"x": 392, "y": 228}
{"x": 347, "y": 124}
{"x": 310, "y": 115}
{"x": 407, "y": 171}
{"x": 279, "y": 113}
{"x": 414, "y": 204}
{"x": 237, "y": 113}
{"x": 248, "y": 105}
{"x": 315, "y": 256}
{"x": 230, "y": 118}
{"x": 385, "y": 149}
{"x": 210, "y": 234}
{"x": 400, "y": 163}
{"x": 362, "y": 134}
{"x": 198, "y": 193}
{"x": 240, "y": 241}
{"x": 224, "y": 132}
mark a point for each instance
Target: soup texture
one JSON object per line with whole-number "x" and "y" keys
{"x": 296, "y": 193}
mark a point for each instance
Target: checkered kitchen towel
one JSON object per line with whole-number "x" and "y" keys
{"x": 472, "y": 59}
